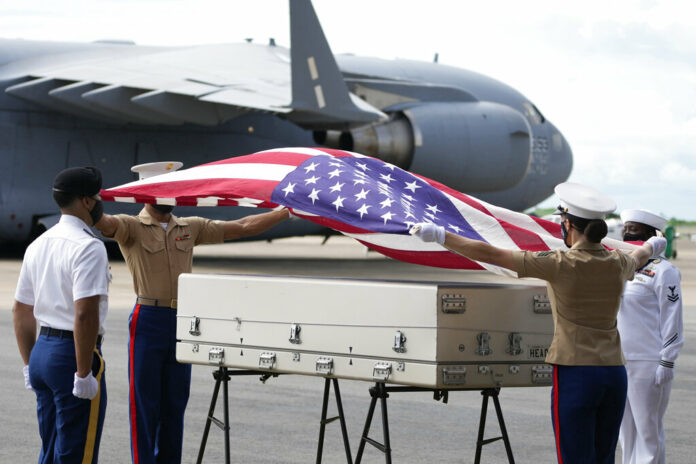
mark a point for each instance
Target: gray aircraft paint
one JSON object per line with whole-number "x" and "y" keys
{"x": 99, "y": 104}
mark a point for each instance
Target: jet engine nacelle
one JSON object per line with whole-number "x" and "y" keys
{"x": 469, "y": 146}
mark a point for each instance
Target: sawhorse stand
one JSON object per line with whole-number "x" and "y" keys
{"x": 381, "y": 391}
{"x": 222, "y": 376}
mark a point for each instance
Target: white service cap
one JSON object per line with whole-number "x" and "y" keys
{"x": 583, "y": 202}
{"x": 644, "y": 216}
{"x": 155, "y": 169}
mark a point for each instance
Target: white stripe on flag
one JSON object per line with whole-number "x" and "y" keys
{"x": 259, "y": 171}
{"x": 486, "y": 226}
{"x": 125, "y": 199}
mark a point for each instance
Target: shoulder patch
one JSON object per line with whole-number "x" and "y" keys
{"x": 541, "y": 254}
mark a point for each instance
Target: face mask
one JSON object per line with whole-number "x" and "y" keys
{"x": 634, "y": 237}
{"x": 164, "y": 209}
{"x": 97, "y": 212}
{"x": 564, "y": 234}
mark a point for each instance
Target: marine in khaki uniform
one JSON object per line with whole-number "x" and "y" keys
{"x": 585, "y": 285}
{"x": 158, "y": 247}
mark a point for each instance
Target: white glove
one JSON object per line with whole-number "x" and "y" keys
{"x": 27, "y": 382}
{"x": 429, "y": 232}
{"x": 85, "y": 388}
{"x": 663, "y": 374}
{"x": 658, "y": 244}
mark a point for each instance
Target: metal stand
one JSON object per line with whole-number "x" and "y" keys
{"x": 381, "y": 392}
{"x": 324, "y": 420}
{"x": 222, "y": 376}
{"x": 486, "y": 393}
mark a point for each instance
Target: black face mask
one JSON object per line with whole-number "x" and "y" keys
{"x": 564, "y": 234}
{"x": 97, "y": 212}
{"x": 634, "y": 237}
{"x": 164, "y": 209}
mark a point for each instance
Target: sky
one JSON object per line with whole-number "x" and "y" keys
{"x": 618, "y": 78}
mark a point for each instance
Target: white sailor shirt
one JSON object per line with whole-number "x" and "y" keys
{"x": 650, "y": 318}
{"x": 66, "y": 263}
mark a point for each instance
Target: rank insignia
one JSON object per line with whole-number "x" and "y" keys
{"x": 648, "y": 272}
{"x": 541, "y": 254}
{"x": 182, "y": 237}
{"x": 673, "y": 297}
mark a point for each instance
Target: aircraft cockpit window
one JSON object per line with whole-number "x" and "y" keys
{"x": 533, "y": 113}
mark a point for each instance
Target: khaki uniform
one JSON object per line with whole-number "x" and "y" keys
{"x": 585, "y": 286}
{"x": 156, "y": 257}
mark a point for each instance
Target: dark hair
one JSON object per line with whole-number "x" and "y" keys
{"x": 64, "y": 199}
{"x": 594, "y": 229}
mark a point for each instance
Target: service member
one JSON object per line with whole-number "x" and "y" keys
{"x": 158, "y": 247}
{"x": 651, "y": 328}
{"x": 63, "y": 284}
{"x": 584, "y": 285}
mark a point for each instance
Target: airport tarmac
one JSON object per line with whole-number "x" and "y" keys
{"x": 278, "y": 421}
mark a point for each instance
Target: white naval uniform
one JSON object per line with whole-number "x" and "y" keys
{"x": 66, "y": 263}
{"x": 651, "y": 329}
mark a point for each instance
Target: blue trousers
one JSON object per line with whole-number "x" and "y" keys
{"x": 158, "y": 386}
{"x": 587, "y": 405}
{"x": 70, "y": 427}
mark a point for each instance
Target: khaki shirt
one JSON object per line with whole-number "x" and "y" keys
{"x": 156, "y": 257}
{"x": 585, "y": 286}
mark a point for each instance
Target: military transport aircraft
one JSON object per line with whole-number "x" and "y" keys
{"x": 115, "y": 104}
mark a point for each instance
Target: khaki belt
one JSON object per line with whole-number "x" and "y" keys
{"x": 154, "y": 302}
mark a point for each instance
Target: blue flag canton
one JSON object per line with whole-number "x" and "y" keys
{"x": 367, "y": 193}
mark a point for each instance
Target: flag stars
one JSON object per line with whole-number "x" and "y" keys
{"x": 363, "y": 210}
{"x": 454, "y": 228}
{"x": 362, "y": 195}
{"x": 335, "y": 173}
{"x": 314, "y": 196}
{"x": 290, "y": 188}
{"x": 362, "y": 166}
{"x": 387, "y": 216}
{"x": 433, "y": 208}
{"x": 387, "y": 203}
{"x": 311, "y": 167}
{"x": 412, "y": 186}
{"x": 358, "y": 181}
{"x": 389, "y": 166}
{"x": 337, "y": 187}
{"x": 407, "y": 197}
{"x": 311, "y": 180}
{"x": 338, "y": 202}
{"x": 386, "y": 177}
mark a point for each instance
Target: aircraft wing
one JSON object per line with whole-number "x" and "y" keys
{"x": 204, "y": 85}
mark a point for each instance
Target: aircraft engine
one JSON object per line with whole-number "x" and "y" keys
{"x": 469, "y": 146}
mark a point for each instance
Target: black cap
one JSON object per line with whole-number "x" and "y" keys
{"x": 85, "y": 181}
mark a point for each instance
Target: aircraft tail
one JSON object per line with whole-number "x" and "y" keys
{"x": 320, "y": 97}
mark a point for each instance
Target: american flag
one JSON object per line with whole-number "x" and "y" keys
{"x": 362, "y": 197}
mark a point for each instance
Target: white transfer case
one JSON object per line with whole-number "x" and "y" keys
{"x": 434, "y": 335}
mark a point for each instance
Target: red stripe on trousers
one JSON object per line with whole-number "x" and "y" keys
{"x": 131, "y": 387}
{"x": 557, "y": 422}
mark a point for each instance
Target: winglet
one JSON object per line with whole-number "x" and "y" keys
{"x": 320, "y": 97}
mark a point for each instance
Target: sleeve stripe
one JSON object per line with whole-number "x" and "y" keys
{"x": 671, "y": 340}
{"x": 668, "y": 364}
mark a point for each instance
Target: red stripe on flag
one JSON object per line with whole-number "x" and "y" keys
{"x": 549, "y": 226}
{"x": 444, "y": 259}
{"x": 190, "y": 190}
{"x": 273, "y": 157}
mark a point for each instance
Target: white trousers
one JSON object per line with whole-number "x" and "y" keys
{"x": 642, "y": 434}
